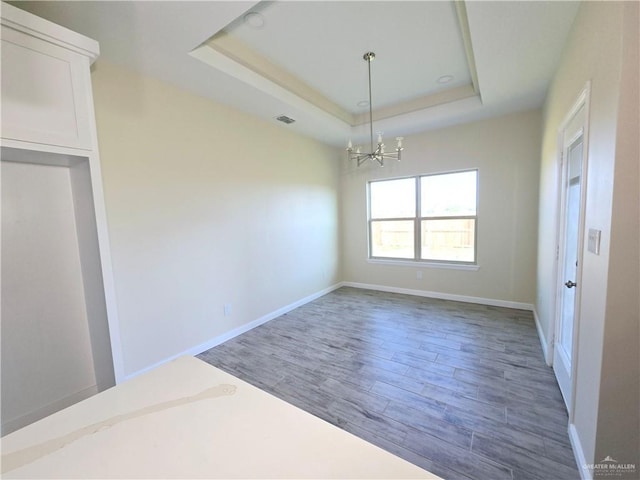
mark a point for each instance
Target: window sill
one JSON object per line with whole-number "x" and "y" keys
{"x": 423, "y": 264}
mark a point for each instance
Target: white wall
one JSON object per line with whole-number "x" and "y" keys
{"x": 47, "y": 359}
{"x": 595, "y": 52}
{"x": 207, "y": 206}
{"x": 506, "y": 151}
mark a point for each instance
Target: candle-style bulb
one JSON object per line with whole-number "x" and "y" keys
{"x": 349, "y": 145}
{"x": 379, "y": 138}
{"x": 399, "y": 139}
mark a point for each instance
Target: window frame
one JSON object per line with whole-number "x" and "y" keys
{"x": 417, "y": 224}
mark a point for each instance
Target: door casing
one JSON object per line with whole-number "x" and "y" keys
{"x": 582, "y": 102}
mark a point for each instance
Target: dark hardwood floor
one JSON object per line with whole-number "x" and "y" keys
{"x": 459, "y": 389}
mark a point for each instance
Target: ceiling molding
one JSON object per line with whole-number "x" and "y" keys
{"x": 240, "y": 53}
{"x": 422, "y": 103}
{"x": 218, "y": 60}
{"x": 232, "y": 56}
{"x": 463, "y": 22}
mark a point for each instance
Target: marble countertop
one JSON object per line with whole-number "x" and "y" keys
{"x": 187, "y": 419}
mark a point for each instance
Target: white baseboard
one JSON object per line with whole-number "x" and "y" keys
{"x": 281, "y": 311}
{"x": 578, "y": 452}
{"x": 443, "y": 296}
{"x": 546, "y": 346}
{"x": 238, "y": 331}
{"x": 27, "y": 419}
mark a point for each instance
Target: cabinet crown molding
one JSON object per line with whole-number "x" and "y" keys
{"x": 17, "y": 19}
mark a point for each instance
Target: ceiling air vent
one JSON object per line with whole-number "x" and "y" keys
{"x": 285, "y": 119}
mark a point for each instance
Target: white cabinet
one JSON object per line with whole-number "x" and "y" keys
{"x": 59, "y": 331}
{"x": 46, "y": 90}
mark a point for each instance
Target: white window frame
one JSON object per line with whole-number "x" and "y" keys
{"x": 417, "y": 226}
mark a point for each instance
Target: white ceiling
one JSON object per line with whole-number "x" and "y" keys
{"x": 306, "y": 61}
{"x": 401, "y": 71}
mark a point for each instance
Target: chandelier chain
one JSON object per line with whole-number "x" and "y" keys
{"x": 369, "y": 57}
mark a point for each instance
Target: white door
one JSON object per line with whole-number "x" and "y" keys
{"x": 569, "y": 254}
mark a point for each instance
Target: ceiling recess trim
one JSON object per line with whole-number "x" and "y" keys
{"x": 463, "y": 22}
{"x": 222, "y": 62}
{"x": 439, "y": 98}
{"x": 240, "y": 53}
{"x": 228, "y": 54}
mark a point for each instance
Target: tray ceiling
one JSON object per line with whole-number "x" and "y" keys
{"x": 304, "y": 59}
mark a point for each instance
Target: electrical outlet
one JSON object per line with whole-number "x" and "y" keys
{"x": 419, "y": 274}
{"x": 227, "y": 309}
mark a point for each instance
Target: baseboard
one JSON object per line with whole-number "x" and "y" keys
{"x": 442, "y": 296}
{"x": 546, "y": 347}
{"x": 578, "y": 452}
{"x": 281, "y": 311}
{"x": 27, "y": 419}
{"x": 238, "y": 331}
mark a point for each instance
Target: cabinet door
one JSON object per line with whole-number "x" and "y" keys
{"x": 44, "y": 92}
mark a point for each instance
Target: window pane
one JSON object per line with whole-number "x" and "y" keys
{"x": 451, "y": 194}
{"x": 393, "y": 198}
{"x": 452, "y": 240}
{"x": 392, "y": 239}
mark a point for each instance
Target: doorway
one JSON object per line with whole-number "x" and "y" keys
{"x": 55, "y": 343}
{"x": 570, "y": 246}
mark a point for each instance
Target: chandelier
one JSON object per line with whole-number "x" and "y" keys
{"x": 377, "y": 155}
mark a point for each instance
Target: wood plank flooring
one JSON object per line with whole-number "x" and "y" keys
{"x": 459, "y": 389}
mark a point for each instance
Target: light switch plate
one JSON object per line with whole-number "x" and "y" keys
{"x": 593, "y": 244}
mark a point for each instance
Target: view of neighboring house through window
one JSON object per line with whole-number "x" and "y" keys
{"x": 428, "y": 218}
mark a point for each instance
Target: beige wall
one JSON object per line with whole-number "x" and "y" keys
{"x": 506, "y": 150}
{"x": 594, "y": 52}
{"x": 207, "y": 206}
{"x": 619, "y": 415}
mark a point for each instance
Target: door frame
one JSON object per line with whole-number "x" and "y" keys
{"x": 582, "y": 101}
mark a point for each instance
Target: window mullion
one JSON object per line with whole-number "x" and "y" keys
{"x": 416, "y": 223}
{"x": 370, "y": 236}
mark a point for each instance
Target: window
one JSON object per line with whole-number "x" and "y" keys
{"x": 428, "y": 218}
